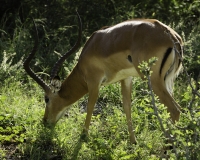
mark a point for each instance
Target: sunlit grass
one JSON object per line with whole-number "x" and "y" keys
{"x": 108, "y": 135}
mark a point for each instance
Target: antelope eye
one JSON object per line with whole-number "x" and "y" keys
{"x": 46, "y": 99}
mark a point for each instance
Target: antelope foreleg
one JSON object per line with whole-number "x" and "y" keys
{"x": 93, "y": 95}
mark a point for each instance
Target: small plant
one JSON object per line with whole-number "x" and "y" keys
{"x": 7, "y": 68}
{"x": 10, "y": 132}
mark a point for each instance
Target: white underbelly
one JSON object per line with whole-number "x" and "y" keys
{"x": 122, "y": 74}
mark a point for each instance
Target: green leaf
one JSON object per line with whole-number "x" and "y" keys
{"x": 179, "y": 132}
{"x": 1, "y": 117}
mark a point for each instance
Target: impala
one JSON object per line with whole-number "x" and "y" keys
{"x": 110, "y": 55}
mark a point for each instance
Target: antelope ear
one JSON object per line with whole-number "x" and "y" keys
{"x": 55, "y": 84}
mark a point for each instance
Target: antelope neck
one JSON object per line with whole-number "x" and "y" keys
{"x": 74, "y": 87}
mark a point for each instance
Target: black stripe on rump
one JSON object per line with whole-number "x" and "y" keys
{"x": 167, "y": 53}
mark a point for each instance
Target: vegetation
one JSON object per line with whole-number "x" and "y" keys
{"x": 22, "y": 135}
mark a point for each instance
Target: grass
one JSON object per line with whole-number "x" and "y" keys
{"x": 22, "y": 110}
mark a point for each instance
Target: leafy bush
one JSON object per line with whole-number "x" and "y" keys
{"x": 192, "y": 52}
{"x": 8, "y": 70}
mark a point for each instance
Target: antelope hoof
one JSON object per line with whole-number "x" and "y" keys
{"x": 84, "y": 135}
{"x": 175, "y": 117}
{"x": 133, "y": 140}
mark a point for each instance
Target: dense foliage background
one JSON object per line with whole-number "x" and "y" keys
{"x": 21, "y": 100}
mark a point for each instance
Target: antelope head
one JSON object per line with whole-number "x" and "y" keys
{"x": 56, "y": 102}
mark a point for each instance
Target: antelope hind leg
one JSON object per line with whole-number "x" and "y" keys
{"x": 126, "y": 85}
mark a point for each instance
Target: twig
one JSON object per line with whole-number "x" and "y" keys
{"x": 154, "y": 105}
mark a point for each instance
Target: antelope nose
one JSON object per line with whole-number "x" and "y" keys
{"x": 47, "y": 124}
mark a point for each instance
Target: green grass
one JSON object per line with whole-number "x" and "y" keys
{"x": 22, "y": 108}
